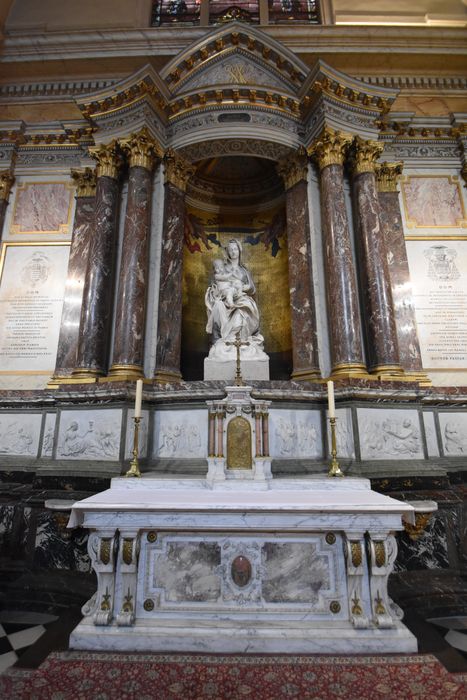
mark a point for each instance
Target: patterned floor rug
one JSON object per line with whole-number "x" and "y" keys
{"x": 103, "y": 676}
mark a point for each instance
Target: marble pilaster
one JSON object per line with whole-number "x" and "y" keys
{"x": 387, "y": 175}
{"x": 347, "y": 357}
{"x": 77, "y": 263}
{"x": 96, "y": 309}
{"x": 380, "y": 326}
{"x": 293, "y": 171}
{"x": 6, "y": 181}
{"x": 177, "y": 173}
{"x": 128, "y": 351}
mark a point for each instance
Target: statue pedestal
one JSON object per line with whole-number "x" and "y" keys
{"x": 257, "y": 369}
{"x": 300, "y": 566}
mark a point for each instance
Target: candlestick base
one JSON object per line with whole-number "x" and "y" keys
{"x": 334, "y": 469}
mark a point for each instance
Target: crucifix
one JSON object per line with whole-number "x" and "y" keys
{"x": 238, "y": 344}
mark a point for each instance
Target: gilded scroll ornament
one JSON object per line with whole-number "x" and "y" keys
{"x": 380, "y": 554}
{"x": 127, "y": 551}
{"x": 364, "y": 155}
{"x": 356, "y": 551}
{"x": 330, "y": 148}
{"x": 6, "y": 181}
{"x": 177, "y": 170}
{"x": 104, "y": 551}
{"x": 85, "y": 181}
{"x": 387, "y": 175}
{"x": 108, "y": 159}
{"x": 239, "y": 444}
{"x": 293, "y": 168}
{"x": 141, "y": 149}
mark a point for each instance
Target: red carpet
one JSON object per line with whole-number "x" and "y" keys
{"x": 102, "y": 676}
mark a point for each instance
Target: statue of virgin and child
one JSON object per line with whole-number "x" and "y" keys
{"x": 232, "y": 309}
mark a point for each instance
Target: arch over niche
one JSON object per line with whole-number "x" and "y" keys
{"x": 271, "y": 150}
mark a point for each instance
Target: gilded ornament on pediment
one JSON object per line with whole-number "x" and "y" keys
{"x": 252, "y": 95}
{"x": 220, "y": 44}
{"x": 202, "y": 98}
{"x": 235, "y": 38}
{"x": 177, "y": 170}
{"x": 204, "y": 54}
{"x": 189, "y": 63}
{"x": 268, "y": 98}
{"x": 364, "y": 155}
{"x": 108, "y": 159}
{"x": 387, "y": 176}
{"x": 187, "y": 101}
{"x": 330, "y": 148}
{"x": 219, "y": 96}
{"x": 266, "y": 51}
{"x": 251, "y": 45}
{"x": 85, "y": 181}
{"x": 6, "y": 181}
{"x": 293, "y": 168}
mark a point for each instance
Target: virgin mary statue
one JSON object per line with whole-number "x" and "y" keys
{"x": 232, "y": 309}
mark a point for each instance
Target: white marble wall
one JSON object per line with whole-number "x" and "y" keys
{"x": 295, "y": 434}
{"x": 93, "y": 434}
{"x": 49, "y": 435}
{"x": 430, "y": 433}
{"x": 389, "y": 434}
{"x": 180, "y": 434}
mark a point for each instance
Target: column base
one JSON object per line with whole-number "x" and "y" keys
{"x": 349, "y": 370}
{"x": 421, "y": 377}
{"x": 387, "y": 371}
{"x": 121, "y": 372}
{"x": 162, "y": 376}
{"x": 306, "y": 375}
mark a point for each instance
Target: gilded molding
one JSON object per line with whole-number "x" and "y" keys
{"x": 6, "y": 181}
{"x": 364, "y": 155}
{"x": 293, "y": 168}
{"x": 141, "y": 149}
{"x": 85, "y": 181}
{"x": 108, "y": 160}
{"x": 387, "y": 176}
{"x": 177, "y": 170}
{"x": 330, "y": 148}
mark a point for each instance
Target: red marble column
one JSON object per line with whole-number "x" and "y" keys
{"x": 294, "y": 171}
{"x": 387, "y": 175}
{"x": 169, "y": 332}
{"x": 96, "y": 309}
{"x": 380, "y": 325}
{"x": 347, "y": 358}
{"x": 77, "y": 263}
{"x": 6, "y": 181}
{"x": 128, "y": 351}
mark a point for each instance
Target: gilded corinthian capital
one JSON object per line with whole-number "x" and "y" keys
{"x": 141, "y": 149}
{"x": 6, "y": 181}
{"x": 293, "y": 168}
{"x": 85, "y": 181}
{"x": 387, "y": 175}
{"x": 108, "y": 160}
{"x": 330, "y": 148}
{"x": 177, "y": 170}
{"x": 364, "y": 155}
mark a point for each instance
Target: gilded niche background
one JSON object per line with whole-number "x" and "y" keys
{"x": 212, "y": 219}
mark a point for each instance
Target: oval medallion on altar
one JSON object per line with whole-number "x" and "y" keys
{"x": 241, "y": 571}
{"x": 239, "y": 444}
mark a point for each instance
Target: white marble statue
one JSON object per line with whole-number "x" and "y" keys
{"x": 231, "y": 307}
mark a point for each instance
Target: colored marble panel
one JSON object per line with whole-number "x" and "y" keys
{"x": 170, "y": 291}
{"x": 96, "y": 309}
{"x": 42, "y": 207}
{"x": 131, "y": 297}
{"x": 401, "y": 287}
{"x": 188, "y": 571}
{"x": 433, "y": 201}
{"x": 341, "y": 286}
{"x": 302, "y": 307}
{"x": 374, "y": 276}
{"x": 294, "y": 573}
{"x": 79, "y": 254}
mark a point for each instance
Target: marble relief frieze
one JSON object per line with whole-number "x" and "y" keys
{"x": 344, "y": 433}
{"x": 142, "y": 435}
{"x": 19, "y": 434}
{"x": 295, "y": 434}
{"x": 48, "y": 438}
{"x": 453, "y": 428}
{"x": 180, "y": 434}
{"x": 389, "y": 434}
{"x": 89, "y": 434}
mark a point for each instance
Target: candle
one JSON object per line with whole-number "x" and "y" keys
{"x": 139, "y": 398}
{"x": 331, "y": 405}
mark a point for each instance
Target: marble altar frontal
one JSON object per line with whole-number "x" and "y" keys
{"x": 299, "y": 567}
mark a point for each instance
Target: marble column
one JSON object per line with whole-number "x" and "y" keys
{"x": 380, "y": 324}
{"x": 345, "y": 336}
{"x": 79, "y": 253}
{"x": 387, "y": 175}
{"x": 169, "y": 332}
{"x": 128, "y": 351}
{"x": 96, "y": 309}
{"x": 6, "y": 181}
{"x": 294, "y": 170}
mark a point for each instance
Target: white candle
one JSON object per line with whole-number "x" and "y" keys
{"x": 331, "y": 404}
{"x": 139, "y": 398}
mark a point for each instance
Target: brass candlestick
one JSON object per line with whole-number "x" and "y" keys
{"x": 134, "y": 464}
{"x": 334, "y": 468}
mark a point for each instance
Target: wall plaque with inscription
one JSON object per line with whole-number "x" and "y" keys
{"x": 438, "y": 270}
{"x": 32, "y": 283}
